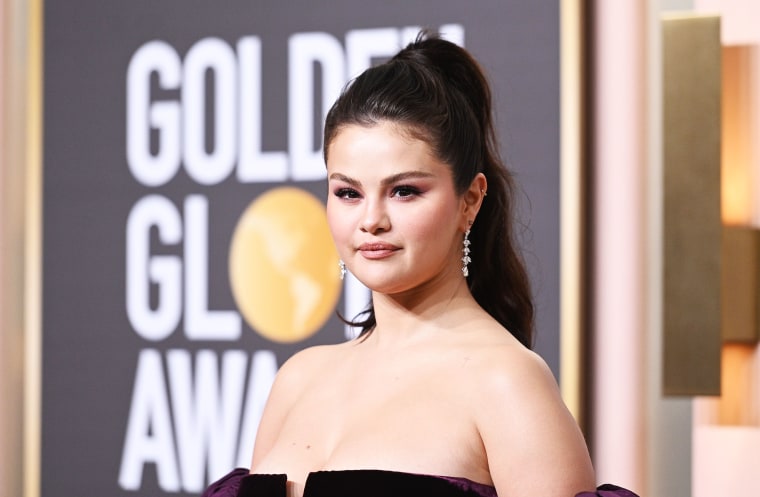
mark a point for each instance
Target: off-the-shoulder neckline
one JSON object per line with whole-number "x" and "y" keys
{"x": 397, "y": 472}
{"x": 338, "y": 472}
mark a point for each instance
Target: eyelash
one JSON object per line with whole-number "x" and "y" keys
{"x": 401, "y": 191}
{"x": 407, "y": 191}
{"x": 346, "y": 193}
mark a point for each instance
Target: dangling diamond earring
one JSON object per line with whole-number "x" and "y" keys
{"x": 466, "y": 253}
{"x": 342, "y": 266}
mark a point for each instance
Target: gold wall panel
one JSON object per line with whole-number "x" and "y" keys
{"x": 740, "y": 284}
{"x": 692, "y": 222}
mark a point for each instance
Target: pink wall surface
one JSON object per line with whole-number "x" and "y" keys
{"x": 618, "y": 225}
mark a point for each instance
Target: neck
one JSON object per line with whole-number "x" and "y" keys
{"x": 424, "y": 310}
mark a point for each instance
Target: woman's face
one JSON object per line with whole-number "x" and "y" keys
{"x": 392, "y": 209}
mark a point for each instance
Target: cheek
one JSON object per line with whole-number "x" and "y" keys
{"x": 436, "y": 225}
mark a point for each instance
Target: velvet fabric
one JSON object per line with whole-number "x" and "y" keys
{"x": 367, "y": 483}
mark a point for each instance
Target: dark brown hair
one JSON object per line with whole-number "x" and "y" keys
{"x": 437, "y": 91}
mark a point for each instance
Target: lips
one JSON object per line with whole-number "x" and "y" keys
{"x": 377, "y": 250}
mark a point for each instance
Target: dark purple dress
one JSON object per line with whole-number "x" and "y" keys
{"x": 367, "y": 483}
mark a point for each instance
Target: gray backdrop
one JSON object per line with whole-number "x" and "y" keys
{"x": 113, "y": 421}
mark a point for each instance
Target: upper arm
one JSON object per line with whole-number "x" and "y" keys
{"x": 532, "y": 442}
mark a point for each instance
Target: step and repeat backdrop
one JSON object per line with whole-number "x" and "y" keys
{"x": 186, "y": 253}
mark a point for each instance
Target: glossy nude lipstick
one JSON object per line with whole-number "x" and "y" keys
{"x": 377, "y": 250}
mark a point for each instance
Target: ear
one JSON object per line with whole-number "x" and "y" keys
{"x": 472, "y": 199}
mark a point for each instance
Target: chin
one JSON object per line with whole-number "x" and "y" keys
{"x": 383, "y": 283}
{"x": 394, "y": 286}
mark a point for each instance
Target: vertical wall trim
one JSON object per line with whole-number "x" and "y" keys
{"x": 33, "y": 256}
{"x": 572, "y": 229}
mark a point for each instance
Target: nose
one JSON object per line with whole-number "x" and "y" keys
{"x": 375, "y": 217}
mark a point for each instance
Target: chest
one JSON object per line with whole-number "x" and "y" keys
{"x": 413, "y": 417}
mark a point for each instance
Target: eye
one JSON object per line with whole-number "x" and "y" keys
{"x": 405, "y": 191}
{"x": 347, "y": 193}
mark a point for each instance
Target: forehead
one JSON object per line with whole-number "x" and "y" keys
{"x": 381, "y": 145}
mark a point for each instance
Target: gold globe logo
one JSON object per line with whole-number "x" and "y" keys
{"x": 283, "y": 265}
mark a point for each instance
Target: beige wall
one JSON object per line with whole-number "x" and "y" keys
{"x": 11, "y": 344}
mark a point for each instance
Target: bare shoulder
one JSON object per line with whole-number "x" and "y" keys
{"x": 512, "y": 368}
{"x": 533, "y": 444}
{"x": 301, "y": 369}
{"x": 513, "y": 382}
{"x": 302, "y": 365}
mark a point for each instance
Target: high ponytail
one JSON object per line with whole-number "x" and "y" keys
{"x": 437, "y": 91}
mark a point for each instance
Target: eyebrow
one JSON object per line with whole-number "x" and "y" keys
{"x": 390, "y": 180}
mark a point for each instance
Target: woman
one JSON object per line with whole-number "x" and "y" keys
{"x": 440, "y": 394}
